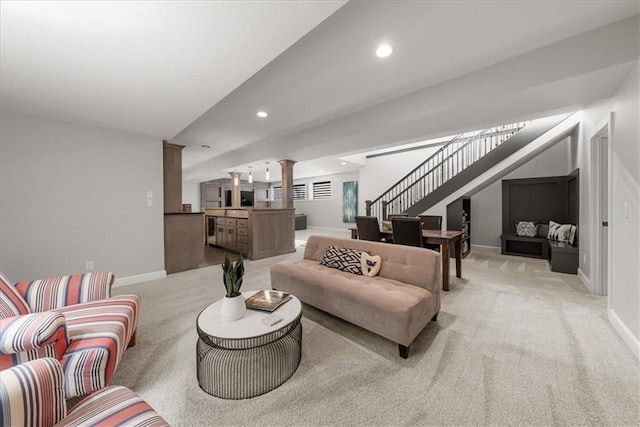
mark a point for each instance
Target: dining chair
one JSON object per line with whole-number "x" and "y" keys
{"x": 368, "y": 228}
{"x": 407, "y": 231}
{"x": 396, "y": 215}
{"x": 431, "y": 222}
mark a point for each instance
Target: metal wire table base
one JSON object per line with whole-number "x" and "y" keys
{"x": 243, "y": 368}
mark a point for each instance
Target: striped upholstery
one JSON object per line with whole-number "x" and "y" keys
{"x": 99, "y": 332}
{"x": 32, "y": 394}
{"x": 113, "y": 406}
{"x": 57, "y": 292}
{"x": 77, "y": 325}
{"x": 11, "y": 301}
{"x": 32, "y": 336}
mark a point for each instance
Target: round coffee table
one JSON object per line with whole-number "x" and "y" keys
{"x": 247, "y": 358}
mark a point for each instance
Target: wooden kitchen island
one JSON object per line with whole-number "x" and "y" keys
{"x": 254, "y": 232}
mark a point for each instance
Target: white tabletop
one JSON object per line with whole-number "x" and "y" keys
{"x": 250, "y": 325}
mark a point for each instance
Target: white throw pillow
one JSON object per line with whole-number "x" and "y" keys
{"x": 561, "y": 232}
{"x": 370, "y": 264}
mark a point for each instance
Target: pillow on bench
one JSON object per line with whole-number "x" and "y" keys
{"x": 561, "y": 232}
{"x": 526, "y": 228}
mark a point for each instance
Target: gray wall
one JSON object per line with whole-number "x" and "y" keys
{"x": 73, "y": 193}
{"x": 486, "y": 205}
{"x": 325, "y": 213}
{"x": 624, "y": 184}
{"x": 625, "y": 232}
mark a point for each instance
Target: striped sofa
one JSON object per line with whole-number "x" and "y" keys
{"x": 31, "y": 394}
{"x": 72, "y": 319}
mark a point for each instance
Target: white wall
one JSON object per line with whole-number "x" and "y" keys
{"x": 73, "y": 193}
{"x": 191, "y": 194}
{"x": 486, "y": 205}
{"x": 382, "y": 172}
{"x": 625, "y": 232}
{"x": 324, "y": 213}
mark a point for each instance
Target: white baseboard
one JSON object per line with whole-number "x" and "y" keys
{"x": 584, "y": 279}
{"x": 139, "y": 278}
{"x": 626, "y": 335}
{"x": 344, "y": 230}
{"x": 485, "y": 247}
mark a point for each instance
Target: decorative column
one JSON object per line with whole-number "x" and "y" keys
{"x": 172, "y": 176}
{"x": 235, "y": 189}
{"x": 287, "y": 183}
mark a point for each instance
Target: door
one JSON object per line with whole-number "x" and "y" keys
{"x": 604, "y": 213}
{"x": 600, "y": 211}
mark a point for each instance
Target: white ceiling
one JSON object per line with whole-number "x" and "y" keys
{"x": 196, "y": 73}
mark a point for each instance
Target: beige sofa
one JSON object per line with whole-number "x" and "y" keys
{"x": 396, "y": 304}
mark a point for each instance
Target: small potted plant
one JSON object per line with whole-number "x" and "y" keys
{"x": 233, "y": 306}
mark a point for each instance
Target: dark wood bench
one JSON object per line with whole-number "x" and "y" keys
{"x": 562, "y": 256}
{"x": 534, "y": 247}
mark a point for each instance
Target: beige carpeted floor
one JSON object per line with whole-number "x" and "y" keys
{"x": 514, "y": 344}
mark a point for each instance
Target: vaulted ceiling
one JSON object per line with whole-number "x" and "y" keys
{"x": 196, "y": 73}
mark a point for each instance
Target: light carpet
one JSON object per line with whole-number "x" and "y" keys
{"x": 514, "y": 344}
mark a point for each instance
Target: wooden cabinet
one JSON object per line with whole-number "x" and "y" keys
{"x": 172, "y": 177}
{"x": 182, "y": 241}
{"x": 459, "y": 219}
{"x": 221, "y": 235}
{"x": 255, "y": 233}
{"x": 242, "y": 236}
{"x": 211, "y": 195}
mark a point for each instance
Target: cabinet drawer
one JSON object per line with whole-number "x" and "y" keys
{"x": 243, "y": 231}
{"x": 220, "y": 220}
{"x": 242, "y": 238}
{"x": 243, "y": 223}
{"x": 230, "y": 222}
{"x": 243, "y": 248}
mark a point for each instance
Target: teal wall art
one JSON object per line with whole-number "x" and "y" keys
{"x": 349, "y": 201}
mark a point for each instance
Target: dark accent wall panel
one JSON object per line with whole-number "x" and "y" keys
{"x": 539, "y": 199}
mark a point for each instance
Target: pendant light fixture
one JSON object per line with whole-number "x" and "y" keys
{"x": 266, "y": 175}
{"x": 250, "y": 176}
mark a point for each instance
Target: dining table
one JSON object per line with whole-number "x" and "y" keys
{"x": 444, "y": 238}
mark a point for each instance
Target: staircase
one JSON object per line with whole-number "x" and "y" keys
{"x": 462, "y": 159}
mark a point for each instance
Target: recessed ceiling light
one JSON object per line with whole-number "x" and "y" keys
{"x": 384, "y": 50}
{"x": 343, "y": 163}
{"x": 262, "y": 114}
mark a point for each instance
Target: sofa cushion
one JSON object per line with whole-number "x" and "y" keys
{"x": 11, "y": 302}
{"x": 407, "y": 264}
{"x": 113, "y": 406}
{"x": 344, "y": 259}
{"x": 99, "y": 332}
{"x": 370, "y": 264}
{"x": 390, "y": 308}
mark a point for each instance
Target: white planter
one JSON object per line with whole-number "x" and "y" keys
{"x": 232, "y": 308}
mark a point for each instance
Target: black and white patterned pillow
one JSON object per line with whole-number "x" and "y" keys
{"x": 344, "y": 259}
{"x": 526, "y": 228}
{"x": 561, "y": 232}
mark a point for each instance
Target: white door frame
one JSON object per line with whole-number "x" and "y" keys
{"x": 597, "y": 261}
